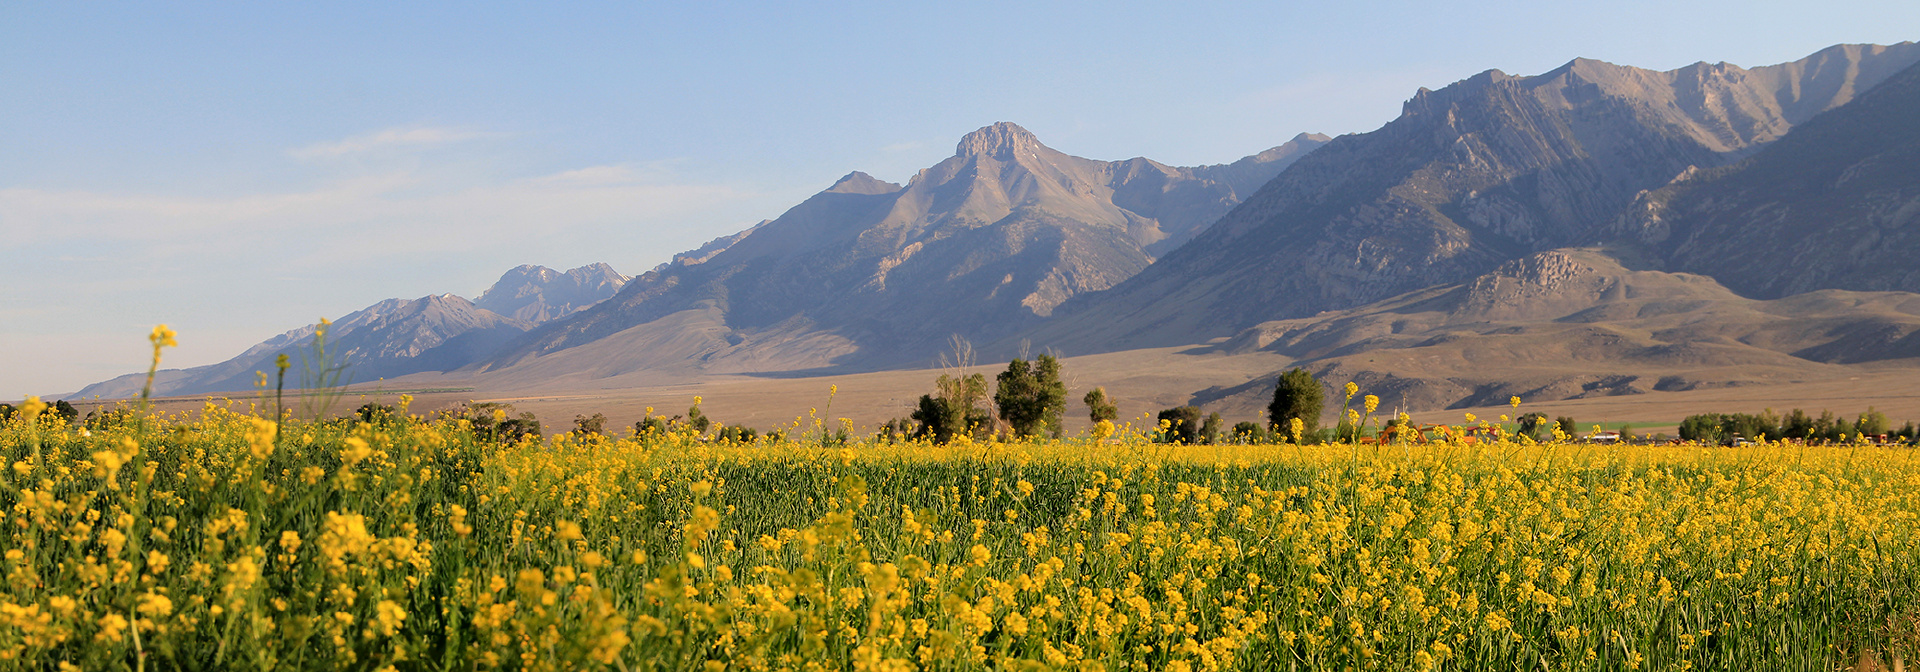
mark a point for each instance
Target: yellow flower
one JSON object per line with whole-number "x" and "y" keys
{"x": 979, "y": 555}
{"x": 32, "y": 408}
{"x": 1497, "y": 622}
{"x": 155, "y": 605}
{"x": 113, "y": 628}
{"x": 388, "y": 617}
{"x": 1373, "y": 403}
{"x": 1352, "y": 389}
{"x": 162, "y": 337}
{"x": 1514, "y": 401}
{"x": 156, "y": 562}
{"x": 260, "y": 437}
{"x": 356, "y": 450}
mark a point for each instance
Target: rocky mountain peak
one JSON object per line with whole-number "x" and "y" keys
{"x": 1000, "y": 139}
{"x": 858, "y": 182}
{"x": 537, "y": 294}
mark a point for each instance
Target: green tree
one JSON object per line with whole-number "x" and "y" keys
{"x": 495, "y": 422}
{"x": 738, "y": 434}
{"x": 954, "y": 407}
{"x": 1872, "y": 423}
{"x": 697, "y": 420}
{"x": 1797, "y": 425}
{"x": 1249, "y": 432}
{"x": 651, "y": 424}
{"x": 1182, "y": 425}
{"x": 1099, "y": 407}
{"x": 1030, "y": 396}
{"x": 375, "y": 414}
{"x": 1531, "y": 423}
{"x": 937, "y": 422}
{"x": 1210, "y": 431}
{"x": 590, "y": 424}
{"x": 1705, "y": 428}
{"x": 954, "y": 410}
{"x": 1827, "y": 427}
{"x": 1297, "y": 395}
{"x": 1567, "y": 426}
{"x": 1748, "y": 426}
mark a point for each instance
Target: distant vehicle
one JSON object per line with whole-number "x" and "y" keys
{"x": 1736, "y": 441}
{"x": 1603, "y": 437}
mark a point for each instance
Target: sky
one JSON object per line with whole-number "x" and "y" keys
{"x": 240, "y": 170}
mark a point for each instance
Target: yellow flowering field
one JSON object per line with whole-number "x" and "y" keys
{"x": 223, "y": 540}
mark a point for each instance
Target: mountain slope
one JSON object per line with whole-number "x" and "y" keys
{"x": 397, "y": 337}
{"x": 1574, "y": 323}
{"x": 1483, "y": 171}
{"x": 1842, "y": 191}
{"x": 990, "y": 239}
{"x": 392, "y": 338}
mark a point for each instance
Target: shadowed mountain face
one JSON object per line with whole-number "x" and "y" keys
{"x": 536, "y": 294}
{"x": 1468, "y": 177}
{"x": 1833, "y": 205}
{"x": 980, "y": 244}
{"x": 1575, "y": 323}
{"x": 388, "y": 339}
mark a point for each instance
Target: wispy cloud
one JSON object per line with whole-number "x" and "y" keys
{"x": 252, "y": 264}
{"x": 387, "y": 139}
{"x": 407, "y": 212}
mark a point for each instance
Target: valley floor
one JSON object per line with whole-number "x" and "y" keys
{"x": 1142, "y": 382}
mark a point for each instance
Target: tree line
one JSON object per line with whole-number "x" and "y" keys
{"x": 1796, "y": 426}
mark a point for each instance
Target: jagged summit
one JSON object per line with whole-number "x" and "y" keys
{"x": 858, "y": 182}
{"x": 1000, "y": 139}
{"x": 537, "y": 294}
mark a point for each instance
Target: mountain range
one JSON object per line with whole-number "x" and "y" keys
{"x": 1629, "y": 220}
{"x": 396, "y": 337}
{"x": 1486, "y": 170}
{"x": 982, "y": 244}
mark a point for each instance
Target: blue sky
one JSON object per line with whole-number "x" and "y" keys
{"x": 238, "y": 170}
